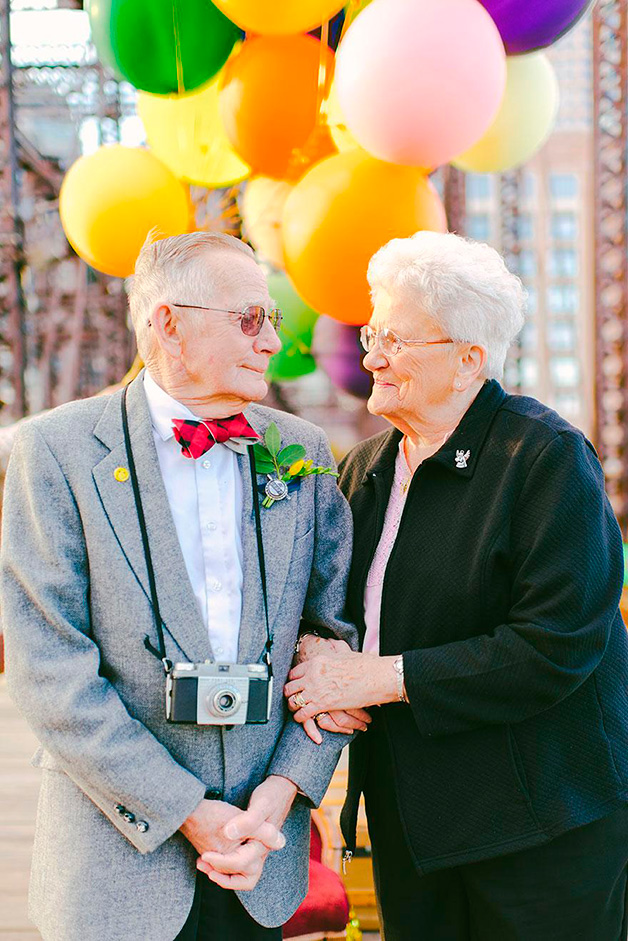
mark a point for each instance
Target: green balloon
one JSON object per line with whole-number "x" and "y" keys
{"x": 162, "y": 46}
{"x": 294, "y": 358}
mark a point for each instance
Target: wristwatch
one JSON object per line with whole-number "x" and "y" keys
{"x": 307, "y": 633}
{"x": 401, "y": 688}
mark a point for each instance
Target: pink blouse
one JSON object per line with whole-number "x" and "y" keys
{"x": 375, "y": 579}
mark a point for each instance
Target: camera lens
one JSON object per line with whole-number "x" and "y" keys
{"x": 224, "y": 702}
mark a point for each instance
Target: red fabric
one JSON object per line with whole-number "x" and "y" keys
{"x": 325, "y": 907}
{"x": 198, "y": 437}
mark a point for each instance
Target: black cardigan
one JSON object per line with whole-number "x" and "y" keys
{"x": 502, "y": 593}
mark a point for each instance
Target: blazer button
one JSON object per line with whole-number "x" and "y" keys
{"x": 142, "y": 826}
{"x": 213, "y": 794}
{"x": 129, "y": 817}
{"x": 120, "y": 809}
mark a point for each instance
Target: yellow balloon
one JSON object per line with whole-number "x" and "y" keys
{"x": 279, "y": 17}
{"x": 524, "y": 121}
{"x": 111, "y": 199}
{"x": 262, "y": 208}
{"x": 342, "y": 136}
{"x": 187, "y": 134}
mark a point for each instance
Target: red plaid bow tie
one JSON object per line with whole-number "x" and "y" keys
{"x": 197, "y": 437}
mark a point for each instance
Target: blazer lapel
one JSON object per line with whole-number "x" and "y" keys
{"x": 278, "y": 527}
{"x": 179, "y": 609}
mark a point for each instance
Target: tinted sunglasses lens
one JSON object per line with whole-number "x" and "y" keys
{"x": 275, "y": 317}
{"x": 252, "y": 320}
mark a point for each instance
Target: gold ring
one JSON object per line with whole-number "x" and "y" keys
{"x": 299, "y": 701}
{"x": 319, "y": 715}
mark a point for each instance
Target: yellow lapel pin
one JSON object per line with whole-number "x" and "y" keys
{"x": 121, "y": 474}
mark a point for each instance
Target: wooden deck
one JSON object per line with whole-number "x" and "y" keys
{"x": 19, "y": 784}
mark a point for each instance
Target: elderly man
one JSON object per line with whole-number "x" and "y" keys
{"x": 140, "y": 554}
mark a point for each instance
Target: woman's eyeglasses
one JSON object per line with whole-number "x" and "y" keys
{"x": 389, "y": 342}
{"x": 251, "y": 318}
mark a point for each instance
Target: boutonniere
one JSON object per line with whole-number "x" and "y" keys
{"x": 283, "y": 466}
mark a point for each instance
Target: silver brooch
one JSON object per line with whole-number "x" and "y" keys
{"x": 276, "y": 489}
{"x": 461, "y": 458}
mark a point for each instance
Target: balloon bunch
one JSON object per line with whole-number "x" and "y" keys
{"x": 336, "y": 145}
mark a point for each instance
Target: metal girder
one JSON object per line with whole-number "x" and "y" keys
{"x": 610, "y": 44}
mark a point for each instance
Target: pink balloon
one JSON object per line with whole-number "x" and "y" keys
{"x": 420, "y": 81}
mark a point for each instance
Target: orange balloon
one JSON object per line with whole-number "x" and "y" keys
{"x": 268, "y": 99}
{"x": 337, "y": 217}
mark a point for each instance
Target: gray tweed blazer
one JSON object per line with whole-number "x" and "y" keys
{"x": 75, "y": 612}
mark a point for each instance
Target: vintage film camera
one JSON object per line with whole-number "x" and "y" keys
{"x": 219, "y": 693}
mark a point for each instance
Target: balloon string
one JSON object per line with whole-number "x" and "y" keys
{"x": 323, "y": 89}
{"x": 177, "y": 47}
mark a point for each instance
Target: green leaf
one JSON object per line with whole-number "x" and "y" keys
{"x": 261, "y": 453}
{"x": 273, "y": 439}
{"x": 265, "y": 468}
{"x": 294, "y": 452}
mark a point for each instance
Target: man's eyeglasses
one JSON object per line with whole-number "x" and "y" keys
{"x": 389, "y": 342}
{"x": 251, "y": 318}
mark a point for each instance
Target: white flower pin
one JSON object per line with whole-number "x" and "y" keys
{"x": 462, "y": 458}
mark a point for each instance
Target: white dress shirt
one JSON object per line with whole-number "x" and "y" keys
{"x": 205, "y": 497}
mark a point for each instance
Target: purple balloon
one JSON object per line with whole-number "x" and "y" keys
{"x": 337, "y": 350}
{"x": 526, "y": 25}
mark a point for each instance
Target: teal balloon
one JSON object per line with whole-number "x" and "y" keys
{"x": 294, "y": 359}
{"x": 162, "y": 46}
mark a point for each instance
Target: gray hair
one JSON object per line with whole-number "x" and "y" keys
{"x": 166, "y": 267}
{"x": 464, "y": 286}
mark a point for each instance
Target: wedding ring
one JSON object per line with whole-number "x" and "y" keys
{"x": 320, "y": 715}
{"x": 299, "y": 701}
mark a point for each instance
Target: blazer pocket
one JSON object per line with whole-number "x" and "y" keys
{"x": 518, "y": 767}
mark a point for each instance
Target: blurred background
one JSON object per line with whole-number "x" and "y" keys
{"x": 559, "y": 219}
{"x": 316, "y": 130}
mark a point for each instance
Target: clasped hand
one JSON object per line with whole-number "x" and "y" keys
{"x": 233, "y": 844}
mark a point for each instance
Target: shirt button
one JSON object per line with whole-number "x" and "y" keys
{"x": 207, "y": 464}
{"x": 216, "y": 585}
{"x": 210, "y": 526}
{"x": 220, "y": 650}
{"x": 142, "y": 826}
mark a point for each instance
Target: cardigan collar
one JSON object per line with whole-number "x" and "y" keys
{"x": 459, "y": 454}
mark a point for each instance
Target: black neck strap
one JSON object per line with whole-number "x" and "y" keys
{"x": 161, "y": 651}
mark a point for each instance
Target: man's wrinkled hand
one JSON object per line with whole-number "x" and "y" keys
{"x": 216, "y": 826}
{"x": 241, "y": 869}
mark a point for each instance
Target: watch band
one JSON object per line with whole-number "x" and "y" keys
{"x": 297, "y": 646}
{"x": 401, "y": 689}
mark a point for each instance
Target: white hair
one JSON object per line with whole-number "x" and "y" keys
{"x": 464, "y": 286}
{"x": 174, "y": 270}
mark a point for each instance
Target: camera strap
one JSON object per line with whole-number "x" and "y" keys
{"x": 161, "y": 652}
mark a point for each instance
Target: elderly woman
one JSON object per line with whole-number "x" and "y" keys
{"x": 485, "y": 583}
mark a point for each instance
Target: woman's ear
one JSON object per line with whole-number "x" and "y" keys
{"x": 470, "y": 367}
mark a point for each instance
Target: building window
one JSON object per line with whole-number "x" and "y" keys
{"x": 568, "y": 404}
{"x": 563, "y": 185}
{"x": 479, "y": 226}
{"x": 478, "y": 185}
{"x": 564, "y": 226}
{"x": 527, "y": 263}
{"x": 563, "y": 263}
{"x": 529, "y": 185}
{"x": 561, "y": 336}
{"x": 565, "y": 371}
{"x": 532, "y": 300}
{"x": 526, "y": 226}
{"x": 529, "y": 369}
{"x": 563, "y": 299}
{"x": 528, "y": 338}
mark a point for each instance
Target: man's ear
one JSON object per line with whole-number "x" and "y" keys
{"x": 164, "y": 322}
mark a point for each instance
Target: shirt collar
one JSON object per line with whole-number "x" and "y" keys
{"x": 163, "y": 408}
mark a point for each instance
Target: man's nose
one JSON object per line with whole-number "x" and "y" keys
{"x": 267, "y": 340}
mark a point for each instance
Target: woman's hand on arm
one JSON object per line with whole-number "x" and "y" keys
{"x": 348, "y": 683}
